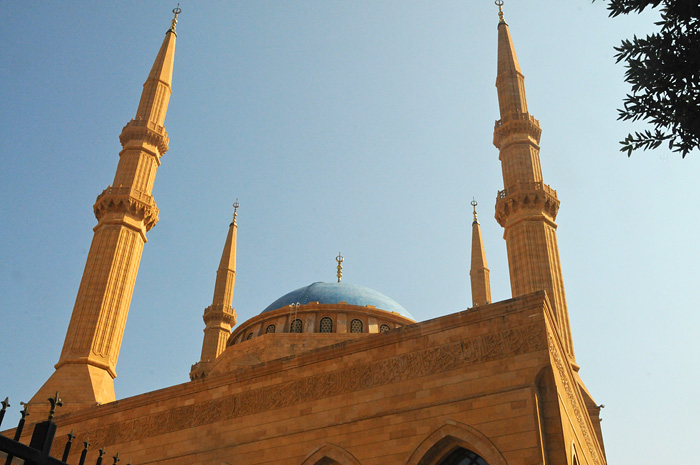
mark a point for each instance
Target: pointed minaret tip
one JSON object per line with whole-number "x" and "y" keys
{"x": 479, "y": 272}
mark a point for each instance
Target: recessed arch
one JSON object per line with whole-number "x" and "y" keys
{"x": 450, "y": 437}
{"x": 330, "y": 454}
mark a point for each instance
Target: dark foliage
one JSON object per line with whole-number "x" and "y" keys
{"x": 664, "y": 71}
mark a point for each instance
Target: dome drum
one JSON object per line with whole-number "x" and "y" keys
{"x": 319, "y": 318}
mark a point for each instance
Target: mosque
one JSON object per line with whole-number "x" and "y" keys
{"x": 334, "y": 373}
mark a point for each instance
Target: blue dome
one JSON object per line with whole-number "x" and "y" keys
{"x": 332, "y": 293}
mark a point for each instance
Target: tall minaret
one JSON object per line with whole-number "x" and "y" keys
{"x": 479, "y": 273}
{"x": 526, "y": 207}
{"x": 125, "y": 211}
{"x": 219, "y": 317}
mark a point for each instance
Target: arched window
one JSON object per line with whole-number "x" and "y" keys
{"x": 296, "y": 326}
{"x": 384, "y": 328}
{"x": 270, "y": 329}
{"x": 355, "y": 326}
{"x": 250, "y": 336}
{"x": 463, "y": 457}
{"x": 326, "y": 325}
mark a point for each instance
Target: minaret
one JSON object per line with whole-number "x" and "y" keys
{"x": 125, "y": 211}
{"x": 219, "y": 317}
{"x": 526, "y": 207}
{"x": 479, "y": 273}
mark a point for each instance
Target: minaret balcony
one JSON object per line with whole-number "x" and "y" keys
{"x": 218, "y": 314}
{"x": 137, "y": 204}
{"x": 146, "y": 131}
{"x": 526, "y": 200}
{"x": 515, "y": 127}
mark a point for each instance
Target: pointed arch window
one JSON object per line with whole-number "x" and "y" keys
{"x": 270, "y": 329}
{"x": 463, "y": 457}
{"x": 296, "y": 326}
{"x": 356, "y": 326}
{"x": 326, "y": 325}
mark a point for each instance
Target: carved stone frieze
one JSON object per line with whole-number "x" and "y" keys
{"x": 530, "y": 199}
{"x": 127, "y": 200}
{"x": 573, "y": 401}
{"x": 459, "y": 354}
{"x": 151, "y": 133}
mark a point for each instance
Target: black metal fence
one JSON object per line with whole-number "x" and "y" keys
{"x": 39, "y": 449}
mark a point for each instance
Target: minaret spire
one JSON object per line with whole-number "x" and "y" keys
{"x": 220, "y": 317}
{"x": 125, "y": 211}
{"x": 479, "y": 273}
{"x": 526, "y": 207}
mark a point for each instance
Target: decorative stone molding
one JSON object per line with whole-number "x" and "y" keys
{"x": 527, "y": 199}
{"x": 127, "y": 200}
{"x": 151, "y": 133}
{"x": 455, "y": 355}
{"x": 575, "y": 403}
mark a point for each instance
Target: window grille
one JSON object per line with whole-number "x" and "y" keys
{"x": 250, "y": 336}
{"x": 270, "y": 329}
{"x": 296, "y": 326}
{"x": 326, "y": 325}
{"x": 384, "y": 328}
{"x": 355, "y": 326}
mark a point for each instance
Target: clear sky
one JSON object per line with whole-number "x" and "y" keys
{"x": 359, "y": 126}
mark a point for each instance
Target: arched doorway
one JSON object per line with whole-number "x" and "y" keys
{"x": 463, "y": 456}
{"x": 456, "y": 444}
{"x": 330, "y": 454}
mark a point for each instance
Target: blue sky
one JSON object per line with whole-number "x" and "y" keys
{"x": 359, "y": 126}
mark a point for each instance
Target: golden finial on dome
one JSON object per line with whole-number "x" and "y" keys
{"x": 474, "y": 203}
{"x": 235, "y": 210}
{"x": 339, "y": 259}
{"x": 500, "y": 11}
{"x": 177, "y": 10}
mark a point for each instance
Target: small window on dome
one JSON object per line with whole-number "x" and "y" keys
{"x": 250, "y": 336}
{"x": 384, "y": 328}
{"x": 296, "y": 326}
{"x": 270, "y": 329}
{"x": 355, "y": 326}
{"x": 326, "y": 325}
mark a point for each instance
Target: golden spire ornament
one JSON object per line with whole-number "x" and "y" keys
{"x": 176, "y": 11}
{"x": 474, "y": 203}
{"x": 339, "y": 259}
{"x": 235, "y": 210}
{"x": 500, "y": 11}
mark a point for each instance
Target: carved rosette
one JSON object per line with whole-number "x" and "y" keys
{"x": 147, "y": 131}
{"x": 531, "y": 199}
{"x": 218, "y": 315}
{"x": 515, "y": 127}
{"x": 126, "y": 200}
